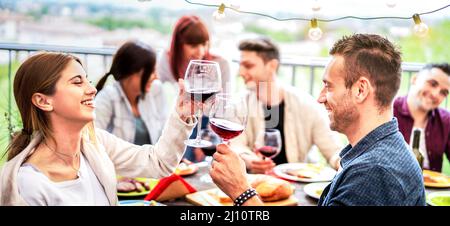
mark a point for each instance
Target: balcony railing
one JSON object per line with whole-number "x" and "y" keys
{"x": 13, "y": 51}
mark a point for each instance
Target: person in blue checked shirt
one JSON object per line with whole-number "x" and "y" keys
{"x": 377, "y": 168}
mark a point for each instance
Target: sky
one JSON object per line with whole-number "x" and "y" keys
{"x": 302, "y": 8}
{"x": 329, "y": 8}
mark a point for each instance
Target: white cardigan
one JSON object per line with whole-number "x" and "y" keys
{"x": 305, "y": 124}
{"x": 108, "y": 156}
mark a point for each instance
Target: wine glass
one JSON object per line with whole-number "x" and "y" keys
{"x": 208, "y": 135}
{"x": 202, "y": 81}
{"x": 268, "y": 143}
{"x": 228, "y": 116}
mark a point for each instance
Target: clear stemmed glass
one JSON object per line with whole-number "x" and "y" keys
{"x": 202, "y": 81}
{"x": 208, "y": 135}
{"x": 228, "y": 116}
{"x": 268, "y": 143}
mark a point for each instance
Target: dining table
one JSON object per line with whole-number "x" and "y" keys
{"x": 201, "y": 185}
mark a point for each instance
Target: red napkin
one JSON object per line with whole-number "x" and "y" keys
{"x": 170, "y": 187}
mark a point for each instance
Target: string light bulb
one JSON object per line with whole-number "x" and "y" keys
{"x": 235, "y": 6}
{"x": 420, "y": 28}
{"x": 219, "y": 14}
{"x": 391, "y": 3}
{"x": 314, "y": 32}
{"x": 316, "y": 6}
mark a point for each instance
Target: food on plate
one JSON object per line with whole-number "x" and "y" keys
{"x": 139, "y": 203}
{"x": 126, "y": 185}
{"x": 441, "y": 200}
{"x": 428, "y": 179}
{"x": 272, "y": 189}
{"x": 308, "y": 171}
{"x": 319, "y": 192}
{"x": 185, "y": 169}
{"x": 432, "y": 178}
{"x": 303, "y": 173}
{"x": 221, "y": 196}
{"x": 435, "y": 179}
{"x": 269, "y": 189}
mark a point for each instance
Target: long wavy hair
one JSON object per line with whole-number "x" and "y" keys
{"x": 38, "y": 74}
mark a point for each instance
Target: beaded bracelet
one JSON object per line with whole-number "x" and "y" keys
{"x": 246, "y": 195}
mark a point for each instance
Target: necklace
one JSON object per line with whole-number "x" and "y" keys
{"x": 65, "y": 161}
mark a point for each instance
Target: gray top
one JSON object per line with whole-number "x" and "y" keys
{"x": 141, "y": 136}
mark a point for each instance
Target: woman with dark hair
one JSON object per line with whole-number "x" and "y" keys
{"x": 133, "y": 107}
{"x": 58, "y": 158}
{"x": 190, "y": 41}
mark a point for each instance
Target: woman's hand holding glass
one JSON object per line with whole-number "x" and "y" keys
{"x": 185, "y": 107}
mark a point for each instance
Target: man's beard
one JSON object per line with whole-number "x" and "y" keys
{"x": 344, "y": 116}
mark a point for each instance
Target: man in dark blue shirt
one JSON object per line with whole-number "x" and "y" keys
{"x": 377, "y": 168}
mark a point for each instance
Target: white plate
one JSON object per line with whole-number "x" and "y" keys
{"x": 311, "y": 189}
{"x": 438, "y": 194}
{"x": 139, "y": 203}
{"x": 325, "y": 174}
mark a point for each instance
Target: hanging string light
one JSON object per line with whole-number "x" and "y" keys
{"x": 420, "y": 28}
{"x": 219, "y": 14}
{"x": 316, "y": 6}
{"x": 391, "y": 3}
{"x": 314, "y": 33}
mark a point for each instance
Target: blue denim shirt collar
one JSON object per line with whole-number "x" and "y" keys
{"x": 349, "y": 153}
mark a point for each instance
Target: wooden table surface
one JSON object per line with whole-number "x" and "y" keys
{"x": 199, "y": 185}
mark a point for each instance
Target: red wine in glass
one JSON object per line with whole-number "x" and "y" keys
{"x": 201, "y": 95}
{"x": 225, "y": 129}
{"x": 271, "y": 143}
{"x": 208, "y": 135}
{"x": 268, "y": 151}
{"x": 209, "y": 151}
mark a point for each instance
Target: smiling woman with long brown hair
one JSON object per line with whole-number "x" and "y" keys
{"x": 58, "y": 158}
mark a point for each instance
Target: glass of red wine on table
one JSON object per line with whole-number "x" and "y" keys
{"x": 202, "y": 81}
{"x": 268, "y": 144}
{"x": 209, "y": 135}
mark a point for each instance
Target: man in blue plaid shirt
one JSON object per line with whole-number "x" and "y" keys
{"x": 377, "y": 168}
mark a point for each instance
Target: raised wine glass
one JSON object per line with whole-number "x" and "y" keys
{"x": 202, "y": 81}
{"x": 228, "y": 116}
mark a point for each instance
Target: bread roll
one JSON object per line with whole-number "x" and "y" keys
{"x": 272, "y": 189}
